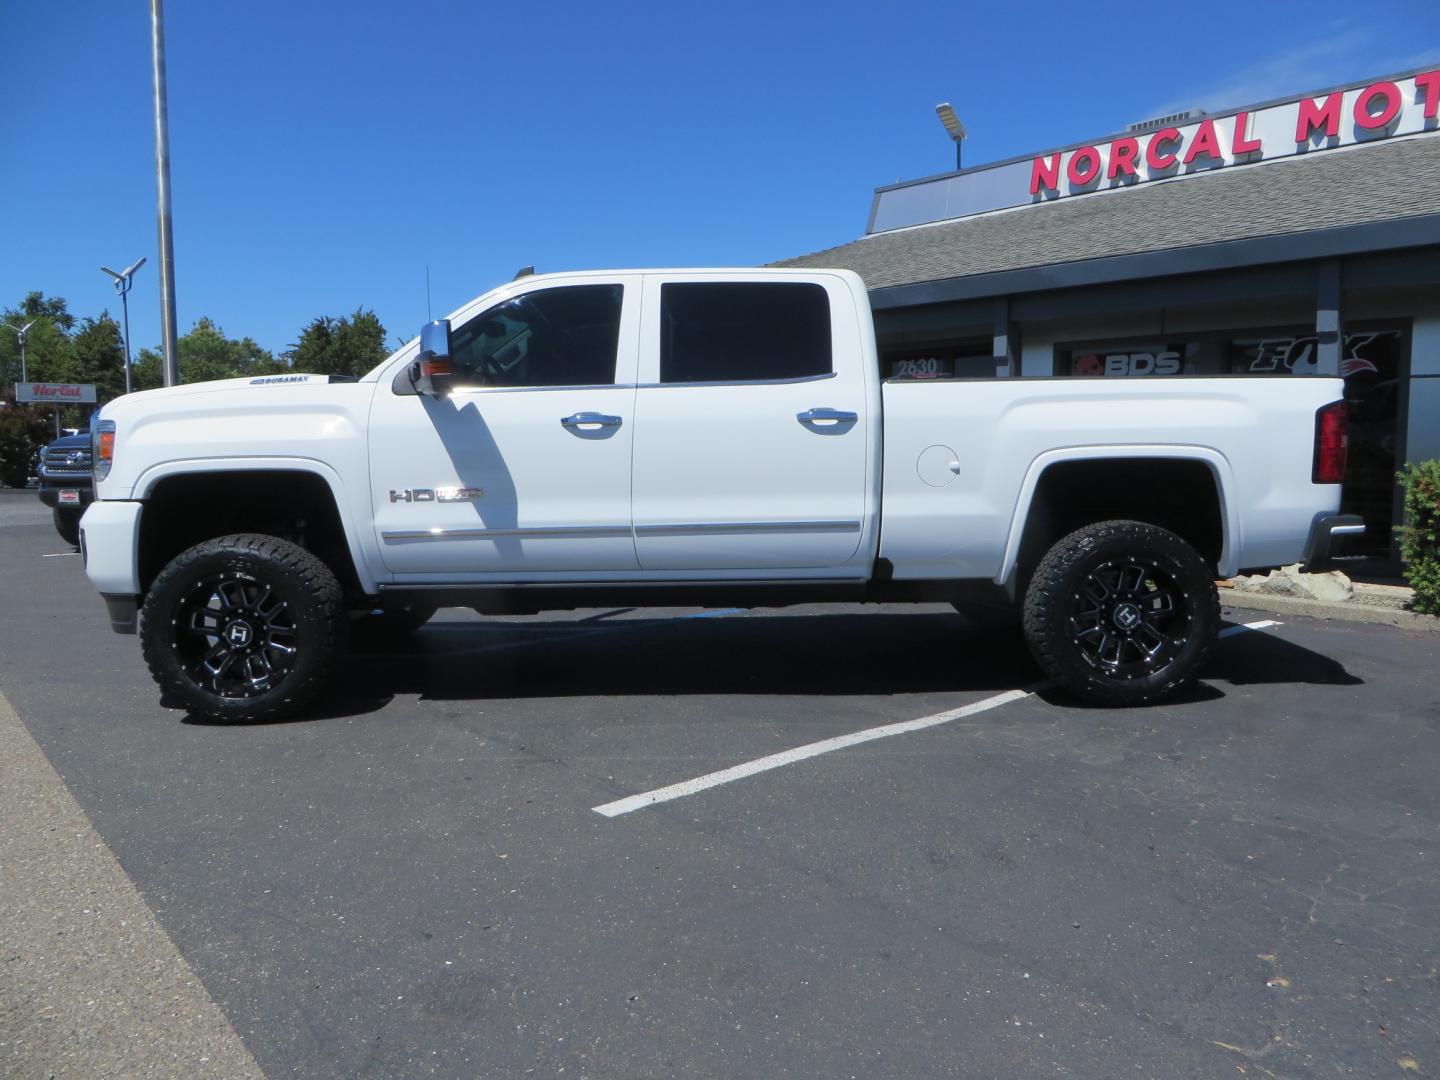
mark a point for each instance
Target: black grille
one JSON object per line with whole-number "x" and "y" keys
{"x": 62, "y": 462}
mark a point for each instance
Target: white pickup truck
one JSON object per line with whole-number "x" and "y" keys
{"x": 692, "y": 437}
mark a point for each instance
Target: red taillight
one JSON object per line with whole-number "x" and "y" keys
{"x": 1332, "y": 439}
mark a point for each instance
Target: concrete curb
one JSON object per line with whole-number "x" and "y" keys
{"x": 90, "y": 985}
{"x": 1320, "y": 609}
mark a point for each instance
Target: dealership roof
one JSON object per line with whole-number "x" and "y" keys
{"x": 1343, "y": 193}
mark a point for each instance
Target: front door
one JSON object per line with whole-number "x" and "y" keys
{"x": 751, "y": 427}
{"x": 525, "y": 467}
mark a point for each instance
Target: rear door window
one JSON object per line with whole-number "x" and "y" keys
{"x": 743, "y": 331}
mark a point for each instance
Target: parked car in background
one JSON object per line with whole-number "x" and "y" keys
{"x": 66, "y": 483}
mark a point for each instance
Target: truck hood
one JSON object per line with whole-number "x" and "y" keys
{"x": 145, "y": 400}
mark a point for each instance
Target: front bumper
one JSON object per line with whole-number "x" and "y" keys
{"x": 110, "y": 547}
{"x": 52, "y": 486}
{"x": 1329, "y": 538}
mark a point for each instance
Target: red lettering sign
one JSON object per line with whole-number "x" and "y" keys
{"x": 1241, "y": 143}
{"x": 1391, "y": 109}
{"x": 1313, "y": 116}
{"x": 1123, "y": 153}
{"x": 1084, "y": 166}
{"x": 1430, "y": 83}
{"x": 1157, "y": 158}
{"x": 1045, "y": 173}
{"x": 1206, "y": 141}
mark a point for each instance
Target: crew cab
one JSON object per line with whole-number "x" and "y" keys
{"x": 697, "y": 437}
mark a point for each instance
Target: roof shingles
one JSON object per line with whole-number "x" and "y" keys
{"x": 1356, "y": 186}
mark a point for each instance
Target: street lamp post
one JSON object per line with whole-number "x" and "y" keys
{"x": 953, "y": 126}
{"x": 168, "y": 337}
{"x": 123, "y": 280}
{"x": 20, "y": 332}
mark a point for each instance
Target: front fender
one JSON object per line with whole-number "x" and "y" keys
{"x": 352, "y": 505}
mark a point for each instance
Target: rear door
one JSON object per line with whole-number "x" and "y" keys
{"x": 752, "y": 432}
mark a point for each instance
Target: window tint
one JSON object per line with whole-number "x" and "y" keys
{"x": 740, "y": 331}
{"x": 555, "y": 337}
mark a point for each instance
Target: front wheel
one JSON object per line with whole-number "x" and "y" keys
{"x": 243, "y": 628}
{"x": 1121, "y": 613}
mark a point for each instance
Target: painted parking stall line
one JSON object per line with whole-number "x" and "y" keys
{"x": 1245, "y": 628}
{"x": 746, "y": 769}
{"x": 801, "y": 753}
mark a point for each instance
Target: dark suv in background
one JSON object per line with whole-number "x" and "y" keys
{"x": 66, "y": 483}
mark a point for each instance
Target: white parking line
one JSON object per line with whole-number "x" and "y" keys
{"x": 60, "y": 554}
{"x": 800, "y": 753}
{"x": 1263, "y": 624}
{"x": 840, "y": 742}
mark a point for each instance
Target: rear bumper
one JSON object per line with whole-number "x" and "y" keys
{"x": 110, "y": 545}
{"x": 1330, "y": 536}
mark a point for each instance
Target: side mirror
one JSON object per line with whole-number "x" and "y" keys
{"x": 431, "y": 371}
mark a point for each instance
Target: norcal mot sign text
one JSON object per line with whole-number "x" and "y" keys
{"x": 1381, "y": 109}
{"x": 1342, "y": 117}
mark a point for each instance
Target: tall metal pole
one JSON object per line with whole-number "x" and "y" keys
{"x": 162, "y": 192}
{"x": 125, "y": 307}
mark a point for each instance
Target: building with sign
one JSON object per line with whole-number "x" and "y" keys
{"x": 1294, "y": 236}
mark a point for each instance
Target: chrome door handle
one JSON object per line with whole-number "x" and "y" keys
{"x": 590, "y": 419}
{"x": 834, "y": 416}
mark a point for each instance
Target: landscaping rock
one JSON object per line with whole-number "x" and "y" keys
{"x": 1333, "y": 587}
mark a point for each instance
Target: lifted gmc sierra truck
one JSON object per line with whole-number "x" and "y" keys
{"x": 692, "y": 437}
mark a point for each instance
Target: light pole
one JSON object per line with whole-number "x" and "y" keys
{"x": 953, "y": 126}
{"x": 162, "y": 196}
{"x": 20, "y": 332}
{"x": 123, "y": 280}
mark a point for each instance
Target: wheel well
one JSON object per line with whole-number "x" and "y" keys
{"x": 182, "y": 511}
{"x": 1178, "y": 495}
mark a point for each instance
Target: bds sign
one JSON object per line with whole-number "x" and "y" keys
{"x": 52, "y": 393}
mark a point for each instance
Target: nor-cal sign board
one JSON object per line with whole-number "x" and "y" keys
{"x": 55, "y": 393}
{"x": 1308, "y": 123}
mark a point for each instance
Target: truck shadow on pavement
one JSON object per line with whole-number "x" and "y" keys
{"x": 760, "y": 654}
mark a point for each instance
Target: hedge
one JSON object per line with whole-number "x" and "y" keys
{"x": 1420, "y": 535}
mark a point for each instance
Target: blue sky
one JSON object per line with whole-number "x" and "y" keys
{"x": 325, "y": 153}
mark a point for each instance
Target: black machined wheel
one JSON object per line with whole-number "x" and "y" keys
{"x": 243, "y": 627}
{"x": 235, "y": 635}
{"x": 1128, "y": 618}
{"x": 1121, "y": 612}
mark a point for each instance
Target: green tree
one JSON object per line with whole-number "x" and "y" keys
{"x": 47, "y": 343}
{"x": 349, "y": 345}
{"x": 206, "y": 354}
{"x": 98, "y": 356}
{"x": 23, "y": 430}
{"x": 37, "y": 306}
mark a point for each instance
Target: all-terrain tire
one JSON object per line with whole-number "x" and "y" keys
{"x": 294, "y": 628}
{"x": 1127, "y": 582}
{"x": 67, "y": 524}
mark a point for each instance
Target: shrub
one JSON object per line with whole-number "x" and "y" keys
{"x": 22, "y": 432}
{"x": 1420, "y": 536}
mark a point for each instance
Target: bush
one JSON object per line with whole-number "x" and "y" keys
{"x": 1420, "y": 536}
{"x": 23, "y": 431}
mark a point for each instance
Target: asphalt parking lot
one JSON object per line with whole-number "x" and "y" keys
{"x": 416, "y": 880}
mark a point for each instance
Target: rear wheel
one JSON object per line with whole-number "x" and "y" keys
{"x": 67, "y": 524}
{"x": 1121, "y": 613}
{"x": 246, "y": 627}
